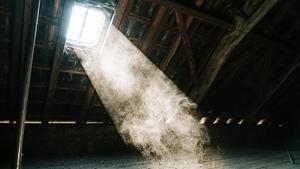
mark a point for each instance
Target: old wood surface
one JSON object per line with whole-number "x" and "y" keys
{"x": 223, "y": 50}
{"x": 57, "y": 58}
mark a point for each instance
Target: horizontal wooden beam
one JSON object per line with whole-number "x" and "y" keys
{"x": 138, "y": 18}
{"x": 78, "y": 88}
{"x": 224, "y": 48}
{"x": 144, "y": 20}
{"x": 78, "y": 71}
{"x": 194, "y": 13}
{"x": 160, "y": 47}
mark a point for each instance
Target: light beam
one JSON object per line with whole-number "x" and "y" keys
{"x": 147, "y": 108}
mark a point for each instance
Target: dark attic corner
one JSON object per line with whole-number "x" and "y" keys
{"x": 152, "y": 84}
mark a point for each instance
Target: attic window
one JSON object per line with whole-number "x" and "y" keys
{"x": 85, "y": 25}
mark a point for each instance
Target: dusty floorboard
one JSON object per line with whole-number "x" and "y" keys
{"x": 227, "y": 159}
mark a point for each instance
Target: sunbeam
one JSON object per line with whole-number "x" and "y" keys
{"x": 147, "y": 108}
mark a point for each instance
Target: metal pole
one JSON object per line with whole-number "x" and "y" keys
{"x": 25, "y": 85}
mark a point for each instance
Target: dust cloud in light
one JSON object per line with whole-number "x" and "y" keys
{"x": 148, "y": 109}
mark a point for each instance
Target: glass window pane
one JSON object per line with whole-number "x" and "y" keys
{"x": 76, "y": 22}
{"x": 92, "y": 26}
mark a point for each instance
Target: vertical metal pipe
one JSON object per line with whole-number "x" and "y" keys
{"x": 25, "y": 85}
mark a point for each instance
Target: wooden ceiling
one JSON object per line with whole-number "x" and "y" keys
{"x": 236, "y": 59}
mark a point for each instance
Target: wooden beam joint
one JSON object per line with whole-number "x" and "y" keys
{"x": 187, "y": 44}
{"x": 194, "y": 13}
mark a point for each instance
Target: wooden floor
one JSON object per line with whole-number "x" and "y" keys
{"x": 226, "y": 158}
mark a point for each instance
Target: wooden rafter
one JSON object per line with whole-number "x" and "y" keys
{"x": 48, "y": 37}
{"x": 187, "y": 44}
{"x": 223, "y": 50}
{"x": 154, "y": 29}
{"x": 78, "y": 88}
{"x": 147, "y": 21}
{"x": 54, "y": 15}
{"x": 167, "y": 59}
{"x": 120, "y": 10}
{"x": 138, "y": 18}
{"x": 57, "y": 58}
{"x": 205, "y": 59}
{"x": 78, "y": 71}
{"x": 194, "y": 13}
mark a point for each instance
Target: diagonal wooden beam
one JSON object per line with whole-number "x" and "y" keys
{"x": 167, "y": 59}
{"x": 57, "y": 57}
{"x": 223, "y": 50}
{"x": 154, "y": 29}
{"x": 120, "y": 11}
{"x": 194, "y": 13}
{"x": 54, "y": 15}
{"x": 187, "y": 44}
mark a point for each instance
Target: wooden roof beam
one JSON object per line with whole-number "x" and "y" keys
{"x": 167, "y": 59}
{"x": 194, "y": 13}
{"x": 120, "y": 11}
{"x": 57, "y": 58}
{"x": 54, "y": 15}
{"x": 138, "y": 18}
{"x": 154, "y": 29}
{"x": 224, "y": 48}
{"x": 187, "y": 44}
{"x": 78, "y": 71}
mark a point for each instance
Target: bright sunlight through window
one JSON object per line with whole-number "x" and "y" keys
{"x": 85, "y": 25}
